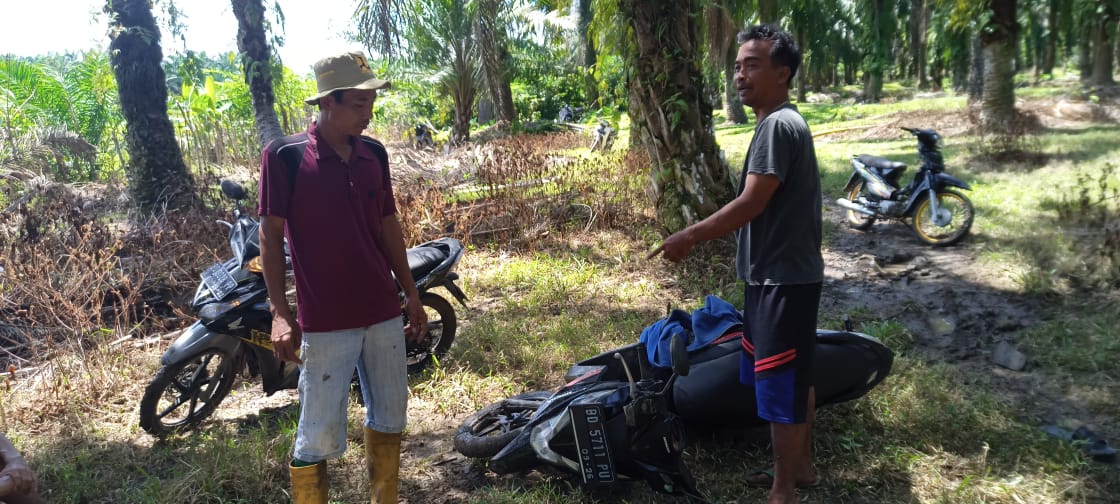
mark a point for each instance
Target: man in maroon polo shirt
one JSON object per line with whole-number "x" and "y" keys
{"x": 337, "y": 210}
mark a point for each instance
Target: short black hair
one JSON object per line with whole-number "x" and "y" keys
{"x": 336, "y": 94}
{"x": 783, "y": 49}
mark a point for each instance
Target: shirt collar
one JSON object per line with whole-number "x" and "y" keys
{"x": 321, "y": 149}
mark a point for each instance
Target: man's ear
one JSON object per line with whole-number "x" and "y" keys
{"x": 784, "y": 74}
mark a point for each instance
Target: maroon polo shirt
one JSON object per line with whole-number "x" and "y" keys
{"x": 333, "y": 223}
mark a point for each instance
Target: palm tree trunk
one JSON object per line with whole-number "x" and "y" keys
{"x": 157, "y": 176}
{"x": 256, "y": 67}
{"x": 722, "y": 51}
{"x": 1104, "y": 28}
{"x": 1050, "y": 45}
{"x": 689, "y": 178}
{"x": 494, "y": 55}
{"x": 1085, "y": 48}
{"x": 802, "y": 80}
{"x": 463, "y": 95}
{"x": 587, "y": 54}
{"x": 919, "y": 15}
{"x": 998, "y": 41}
{"x": 976, "y": 71}
{"x": 768, "y": 11}
{"x": 732, "y": 106}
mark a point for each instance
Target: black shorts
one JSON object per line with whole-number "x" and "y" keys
{"x": 778, "y": 348}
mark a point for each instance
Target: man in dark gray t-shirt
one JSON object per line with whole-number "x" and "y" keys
{"x": 777, "y": 215}
{"x": 783, "y": 244}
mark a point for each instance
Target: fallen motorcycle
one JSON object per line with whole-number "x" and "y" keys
{"x": 937, "y": 214}
{"x": 605, "y": 425}
{"x": 234, "y": 327}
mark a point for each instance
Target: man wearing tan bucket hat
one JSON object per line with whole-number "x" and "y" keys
{"x": 328, "y": 190}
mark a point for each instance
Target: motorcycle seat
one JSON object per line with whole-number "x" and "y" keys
{"x": 881, "y": 163}
{"x": 423, "y": 259}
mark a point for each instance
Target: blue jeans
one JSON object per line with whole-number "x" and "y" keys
{"x": 329, "y": 359}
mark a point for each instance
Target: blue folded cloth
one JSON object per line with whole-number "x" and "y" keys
{"x": 701, "y": 327}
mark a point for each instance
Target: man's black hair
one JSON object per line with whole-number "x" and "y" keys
{"x": 783, "y": 50}
{"x": 336, "y": 94}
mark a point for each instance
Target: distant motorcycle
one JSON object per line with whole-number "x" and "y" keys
{"x": 937, "y": 214}
{"x": 234, "y": 328}
{"x": 569, "y": 114}
{"x": 604, "y": 137}
{"x": 424, "y": 138}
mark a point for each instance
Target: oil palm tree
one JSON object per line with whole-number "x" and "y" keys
{"x": 256, "y": 67}
{"x": 998, "y": 45}
{"x": 491, "y": 36}
{"x": 441, "y": 38}
{"x": 690, "y": 180}
{"x": 157, "y": 176}
{"x": 722, "y": 19}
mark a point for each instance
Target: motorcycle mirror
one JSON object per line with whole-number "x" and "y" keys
{"x": 233, "y": 190}
{"x": 678, "y": 351}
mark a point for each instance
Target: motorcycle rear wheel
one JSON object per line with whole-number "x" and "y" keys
{"x": 961, "y": 215}
{"x": 442, "y": 324}
{"x": 183, "y": 394}
{"x": 857, "y": 220}
{"x": 485, "y": 433}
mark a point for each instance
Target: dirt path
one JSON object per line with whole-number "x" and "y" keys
{"x": 957, "y": 307}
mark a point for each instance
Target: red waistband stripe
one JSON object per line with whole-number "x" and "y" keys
{"x": 775, "y": 360}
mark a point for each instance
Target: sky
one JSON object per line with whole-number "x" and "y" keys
{"x": 44, "y": 26}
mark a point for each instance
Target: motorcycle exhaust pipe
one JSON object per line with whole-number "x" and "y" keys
{"x": 855, "y": 207}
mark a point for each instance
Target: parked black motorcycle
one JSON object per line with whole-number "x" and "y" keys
{"x": 423, "y": 135}
{"x": 938, "y": 215}
{"x": 604, "y": 425}
{"x": 233, "y": 331}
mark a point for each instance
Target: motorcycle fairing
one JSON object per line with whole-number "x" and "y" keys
{"x": 194, "y": 339}
{"x": 245, "y": 239}
{"x": 937, "y": 181}
{"x": 231, "y": 317}
{"x": 847, "y": 366}
{"x": 890, "y": 171}
{"x": 510, "y": 457}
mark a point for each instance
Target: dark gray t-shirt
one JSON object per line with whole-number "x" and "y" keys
{"x": 783, "y": 244}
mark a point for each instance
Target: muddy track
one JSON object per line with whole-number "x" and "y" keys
{"x": 957, "y": 308}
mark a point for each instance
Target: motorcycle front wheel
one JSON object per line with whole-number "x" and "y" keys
{"x": 185, "y": 393}
{"x": 441, "y": 332}
{"x": 952, "y": 223}
{"x": 858, "y": 220}
{"x": 485, "y": 433}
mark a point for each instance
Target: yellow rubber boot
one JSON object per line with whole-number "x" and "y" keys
{"x": 383, "y": 461}
{"x": 309, "y": 484}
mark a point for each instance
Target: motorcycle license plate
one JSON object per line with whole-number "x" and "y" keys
{"x": 218, "y": 280}
{"x": 591, "y": 444}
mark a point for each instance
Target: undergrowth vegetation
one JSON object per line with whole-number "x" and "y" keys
{"x": 556, "y": 271}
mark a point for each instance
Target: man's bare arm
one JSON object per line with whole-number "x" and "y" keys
{"x": 286, "y": 335}
{"x": 734, "y": 215}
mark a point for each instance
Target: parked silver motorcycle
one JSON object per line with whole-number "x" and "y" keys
{"x": 938, "y": 215}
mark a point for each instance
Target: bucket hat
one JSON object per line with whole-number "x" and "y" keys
{"x": 344, "y": 71}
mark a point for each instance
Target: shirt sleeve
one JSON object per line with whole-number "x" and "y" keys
{"x": 275, "y": 193}
{"x": 773, "y": 149}
{"x": 388, "y": 202}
